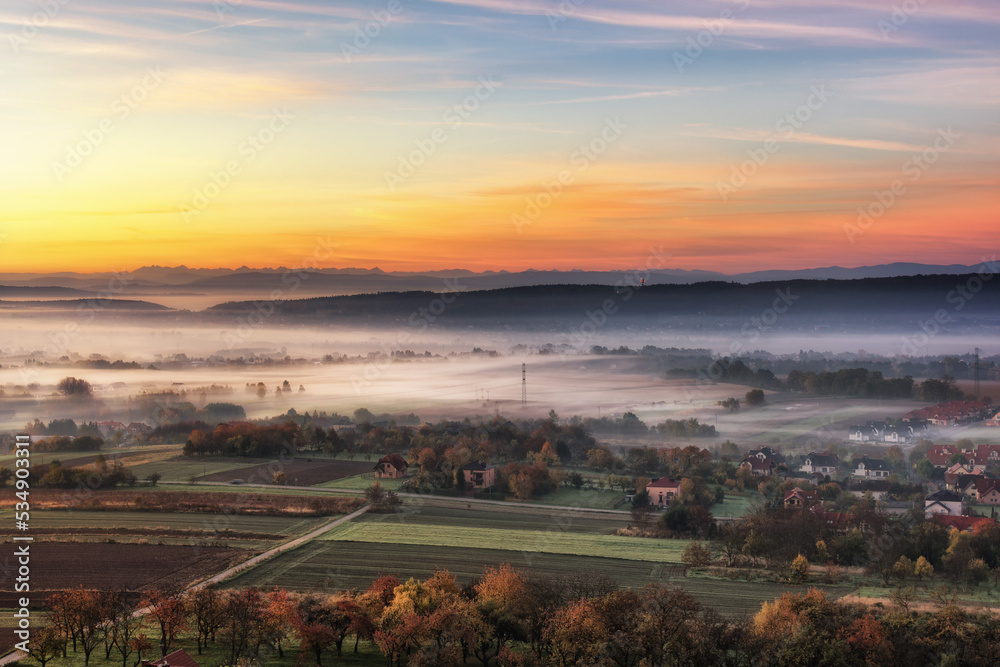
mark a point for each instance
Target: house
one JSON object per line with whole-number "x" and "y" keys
{"x": 966, "y": 524}
{"x": 951, "y": 413}
{"x": 984, "y": 455}
{"x": 943, "y": 502}
{"x": 897, "y": 507}
{"x": 839, "y": 522}
{"x": 759, "y": 467}
{"x": 898, "y": 434}
{"x": 767, "y": 453}
{"x": 392, "y": 466}
{"x": 871, "y": 432}
{"x": 825, "y": 464}
{"x": 178, "y": 658}
{"x": 479, "y": 475}
{"x": 138, "y": 428}
{"x": 109, "y": 428}
{"x": 878, "y": 488}
{"x": 662, "y": 490}
{"x": 799, "y": 499}
{"x": 964, "y": 484}
{"x": 994, "y": 421}
{"x": 987, "y": 491}
{"x": 939, "y": 455}
{"x": 869, "y": 467}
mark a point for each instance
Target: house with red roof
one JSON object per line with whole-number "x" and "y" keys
{"x": 662, "y": 490}
{"x": 178, "y": 658}
{"x": 987, "y": 491}
{"x": 967, "y": 524}
{"x": 939, "y": 455}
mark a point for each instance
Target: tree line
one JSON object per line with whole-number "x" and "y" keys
{"x": 506, "y": 617}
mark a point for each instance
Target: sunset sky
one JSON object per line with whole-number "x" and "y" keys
{"x": 488, "y": 134}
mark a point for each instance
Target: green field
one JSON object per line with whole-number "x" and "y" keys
{"x": 343, "y": 565}
{"x": 732, "y": 506}
{"x": 593, "y": 498}
{"x": 432, "y": 511}
{"x": 179, "y": 469}
{"x": 362, "y": 482}
{"x": 553, "y": 541}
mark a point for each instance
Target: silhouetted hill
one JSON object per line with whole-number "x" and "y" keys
{"x": 890, "y": 301}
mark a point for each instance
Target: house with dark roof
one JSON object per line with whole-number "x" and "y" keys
{"x": 878, "y": 488}
{"x": 391, "y": 466}
{"x": 825, "y": 464}
{"x": 800, "y": 499}
{"x": 767, "y": 453}
{"x": 943, "y": 502}
{"x": 479, "y": 476}
{"x": 868, "y": 467}
{"x": 759, "y": 467}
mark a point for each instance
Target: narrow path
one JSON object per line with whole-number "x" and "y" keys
{"x": 281, "y": 548}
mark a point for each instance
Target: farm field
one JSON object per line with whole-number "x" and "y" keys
{"x": 362, "y": 481}
{"x": 553, "y": 541}
{"x": 58, "y": 566}
{"x": 181, "y": 469}
{"x": 298, "y": 472}
{"x": 435, "y": 512}
{"x": 83, "y": 522}
{"x": 332, "y": 565}
{"x": 130, "y": 455}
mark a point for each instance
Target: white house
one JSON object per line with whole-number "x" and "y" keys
{"x": 943, "y": 502}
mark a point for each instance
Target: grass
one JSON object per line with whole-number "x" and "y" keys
{"x": 178, "y": 469}
{"x": 732, "y": 506}
{"x": 982, "y": 594}
{"x": 569, "y": 497}
{"x": 436, "y": 512}
{"x": 553, "y": 540}
{"x": 361, "y": 482}
{"x": 333, "y": 565}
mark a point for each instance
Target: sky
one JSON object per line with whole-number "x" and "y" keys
{"x": 726, "y": 135}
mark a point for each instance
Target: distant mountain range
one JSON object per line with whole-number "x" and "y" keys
{"x": 152, "y": 281}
